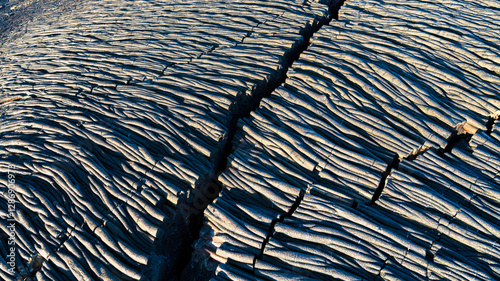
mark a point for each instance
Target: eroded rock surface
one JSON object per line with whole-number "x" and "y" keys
{"x": 113, "y": 112}
{"x": 372, "y": 161}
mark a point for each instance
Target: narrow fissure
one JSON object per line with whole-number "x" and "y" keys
{"x": 383, "y": 179}
{"x": 460, "y": 136}
{"x": 388, "y": 171}
{"x": 194, "y": 203}
{"x": 282, "y": 217}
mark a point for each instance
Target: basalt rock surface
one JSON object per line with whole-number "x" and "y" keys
{"x": 351, "y": 145}
{"x": 373, "y": 161}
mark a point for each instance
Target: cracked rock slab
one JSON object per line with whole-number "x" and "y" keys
{"x": 113, "y": 111}
{"x": 386, "y": 80}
